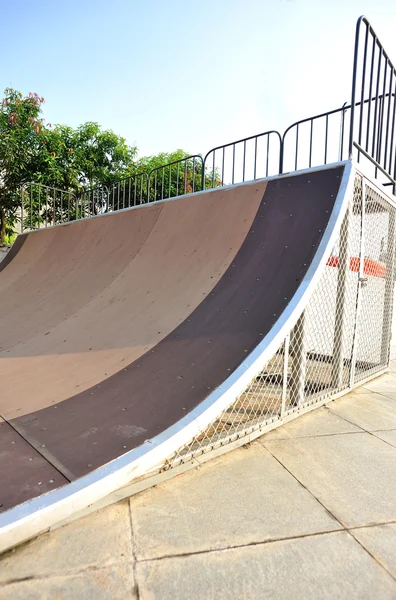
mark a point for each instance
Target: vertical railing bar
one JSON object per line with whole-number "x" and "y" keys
{"x": 170, "y": 177}
{"x": 177, "y": 178}
{"x": 185, "y": 176}
{"x": 370, "y": 95}
{"x": 388, "y": 118}
{"x": 31, "y": 205}
{"x": 382, "y": 110}
{"x": 267, "y": 159}
{"x": 244, "y": 160}
{"x": 222, "y": 167}
{"x": 22, "y": 207}
{"x": 193, "y": 176}
{"x": 296, "y": 155}
{"x": 393, "y": 131}
{"x": 233, "y": 163}
{"x": 54, "y": 205}
{"x": 342, "y": 131}
{"x": 39, "y": 206}
{"x": 213, "y": 169}
{"x": 363, "y": 86}
{"x": 310, "y": 144}
{"x": 162, "y": 182}
{"x": 255, "y": 158}
{"x": 326, "y": 139}
{"x": 373, "y": 148}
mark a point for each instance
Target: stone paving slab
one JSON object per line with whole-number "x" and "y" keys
{"x": 103, "y": 538}
{"x": 380, "y": 541}
{"x": 319, "y": 422}
{"x": 353, "y": 475}
{"x": 385, "y": 385}
{"x": 240, "y": 498}
{"x": 113, "y": 583}
{"x": 387, "y": 436}
{"x": 366, "y": 409}
{"x": 327, "y": 566}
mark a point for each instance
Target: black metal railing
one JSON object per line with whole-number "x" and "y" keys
{"x": 372, "y": 127}
{"x": 127, "y": 192}
{"x": 243, "y": 160}
{"x": 317, "y": 140}
{"x": 178, "y": 177}
{"x": 93, "y": 201}
{"x": 44, "y": 206}
{"x": 365, "y": 128}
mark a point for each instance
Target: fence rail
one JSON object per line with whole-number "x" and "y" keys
{"x": 365, "y": 127}
{"x": 372, "y": 128}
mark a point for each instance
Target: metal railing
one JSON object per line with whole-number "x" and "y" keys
{"x": 43, "y": 206}
{"x": 365, "y": 127}
{"x": 127, "y": 192}
{"x": 246, "y": 159}
{"x": 316, "y": 140}
{"x": 372, "y": 127}
{"x": 178, "y": 177}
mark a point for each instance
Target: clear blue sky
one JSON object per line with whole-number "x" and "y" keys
{"x": 170, "y": 74}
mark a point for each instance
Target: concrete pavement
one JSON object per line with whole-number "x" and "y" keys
{"x": 306, "y": 511}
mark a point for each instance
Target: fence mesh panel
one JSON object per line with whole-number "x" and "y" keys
{"x": 342, "y": 336}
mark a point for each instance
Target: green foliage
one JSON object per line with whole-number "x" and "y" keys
{"x": 62, "y": 157}
{"x": 70, "y": 161}
{"x": 20, "y": 146}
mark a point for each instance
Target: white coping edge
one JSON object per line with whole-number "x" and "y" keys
{"x": 37, "y": 515}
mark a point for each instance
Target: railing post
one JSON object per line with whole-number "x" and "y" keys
{"x": 340, "y": 310}
{"x": 353, "y": 94}
{"x": 299, "y": 364}
{"x": 361, "y": 281}
{"x": 389, "y": 290}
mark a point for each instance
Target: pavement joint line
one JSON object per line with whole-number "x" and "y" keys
{"x": 134, "y": 552}
{"x": 368, "y": 391}
{"x": 372, "y": 555}
{"x": 65, "y": 574}
{"x": 383, "y": 430}
{"x": 307, "y": 489}
{"x": 372, "y": 433}
{"x": 314, "y": 435}
{"x": 240, "y": 546}
{"x": 307, "y": 437}
{"x": 94, "y": 568}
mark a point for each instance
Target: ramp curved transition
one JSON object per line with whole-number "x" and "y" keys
{"x": 123, "y": 334}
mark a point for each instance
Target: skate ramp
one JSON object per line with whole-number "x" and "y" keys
{"x": 116, "y": 331}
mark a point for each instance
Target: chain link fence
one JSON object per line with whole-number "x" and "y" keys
{"x": 341, "y": 338}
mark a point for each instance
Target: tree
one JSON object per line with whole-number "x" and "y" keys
{"x": 20, "y": 144}
{"x": 59, "y": 157}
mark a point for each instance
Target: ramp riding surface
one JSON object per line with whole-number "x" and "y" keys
{"x": 115, "y": 328}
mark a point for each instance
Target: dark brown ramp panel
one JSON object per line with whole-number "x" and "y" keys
{"x": 204, "y": 284}
{"x": 24, "y": 473}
